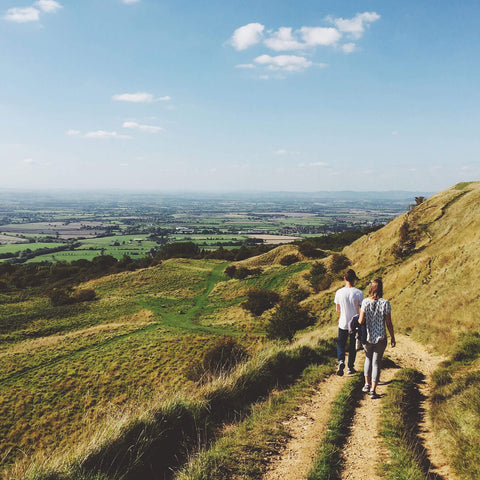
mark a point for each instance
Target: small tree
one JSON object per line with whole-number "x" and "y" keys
{"x": 260, "y": 300}
{"x": 338, "y": 262}
{"x": 318, "y": 276}
{"x": 287, "y": 319}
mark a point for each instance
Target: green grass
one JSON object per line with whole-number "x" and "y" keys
{"x": 456, "y": 406}
{"x": 243, "y": 451}
{"x": 328, "y": 462}
{"x": 400, "y": 416}
{"x": 152, "y": 440}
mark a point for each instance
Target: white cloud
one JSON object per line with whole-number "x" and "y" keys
{"x": 143, "y": 128}
{"x": 245, "y": 65}
{"x": 320, "y": 36}
{"x": 349, "y": 47}
{"x": 100, "y": 134}
{"x": 129, "y": 2}
{"x": 282, "y": 40}
{"x": 28, "y": 161}
{"x": 395, "y": 133}
{"x": 139, "y": 97}
{"x": 22, "y": 15}
{"x": 355, "y": 26}
{"x": 48, "y": 6}
{"x": 103, "y": 134}
{"x": 285, "y": 63}
{"x": 247, "y": 36}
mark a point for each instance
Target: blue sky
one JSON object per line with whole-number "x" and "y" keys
{"x": 302, "y": 95}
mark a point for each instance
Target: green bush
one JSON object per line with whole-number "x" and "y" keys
{"x": 289, "y": 259}
{"x": 260, "y": 300}
{"x": 287, "y": 319}
{"x": 338, "y": 262}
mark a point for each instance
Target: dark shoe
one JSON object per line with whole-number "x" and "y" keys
{"x": 351, "y": 371}
{"x": 374, "y": 395}
{"x": 340, "y": 369}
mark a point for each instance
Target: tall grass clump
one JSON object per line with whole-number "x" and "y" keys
{"x": 456, "y": 406}
{"x": 399, "y": 428}
{"x": 329, "y": 461}
{"x": 149, "y": 445}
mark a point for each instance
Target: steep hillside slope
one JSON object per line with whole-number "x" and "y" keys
{"x": 432, "y": 282}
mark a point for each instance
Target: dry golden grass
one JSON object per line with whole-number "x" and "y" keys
{"x": 272, "y": 257}
{"x": 433, "y": 292}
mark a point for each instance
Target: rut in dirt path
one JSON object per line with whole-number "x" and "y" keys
{"x": 306, "y": 430}
{"x": 364, "y": 449}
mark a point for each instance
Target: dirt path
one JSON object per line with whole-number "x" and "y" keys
{"x": 362, "y": 456}
{"x": 306, "y": 429}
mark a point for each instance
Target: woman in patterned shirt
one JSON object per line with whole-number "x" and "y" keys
{"x": 376, "y": 312}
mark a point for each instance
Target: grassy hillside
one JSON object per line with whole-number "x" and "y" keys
{"x": 433, "y": 287}
{"x": 69, "y": 369}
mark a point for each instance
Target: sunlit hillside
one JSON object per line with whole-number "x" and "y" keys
{"x": 433, "y": 283}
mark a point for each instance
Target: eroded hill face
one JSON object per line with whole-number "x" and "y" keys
{"x": 433, "y": 285}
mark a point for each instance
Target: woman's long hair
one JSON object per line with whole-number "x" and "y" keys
{"x": 375, "y": 289}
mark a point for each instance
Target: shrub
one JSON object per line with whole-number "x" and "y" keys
{"x": 85, "y": 295}
{"x": 307, "y": 249}
{"x": 338, "y": 262}
{"x": 230, "y": 271}
{"x": 259, "y": 300}
{"x": 289, "y": 259}
{"x": 287, "y": 319}
{"x": 59, "y": 296}
{"x": 319, "y": 278}
{"x": 296, "y": 293}
{"x": 224, "y": 354}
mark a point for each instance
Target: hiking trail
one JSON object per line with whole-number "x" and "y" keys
{"x": 364, "y": 449}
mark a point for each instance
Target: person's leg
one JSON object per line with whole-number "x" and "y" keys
{"x": 341, "y": 341}
{"x": 378, "y": 350}
{"x": 352, "y": 352}
{"x": 367, "y": 368}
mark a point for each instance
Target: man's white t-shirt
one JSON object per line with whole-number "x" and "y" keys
{"x": 350, "y": 300}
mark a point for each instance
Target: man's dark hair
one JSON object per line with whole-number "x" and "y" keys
{"x": 350, "y": 276}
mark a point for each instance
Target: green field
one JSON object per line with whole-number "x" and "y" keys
{"x": 67, "y": 368}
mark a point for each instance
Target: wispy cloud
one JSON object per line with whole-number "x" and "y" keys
{"x": 284, "y": 63}
{"x": 32, "y": 13}
{"x": 143, "y": 128}
{"x": 98, "y": 134}
{"x": 48, "y": 6}
{"x": 22, "y": 15}
{"x": 355, "y": 26}
{"x": 130, "y": 2}
{"x": 139, "y": 97}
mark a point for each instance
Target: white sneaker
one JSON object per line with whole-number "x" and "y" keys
{"x": 366, "y": 388}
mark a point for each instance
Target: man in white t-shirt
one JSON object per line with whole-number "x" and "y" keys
{"x": 348, "y": 301}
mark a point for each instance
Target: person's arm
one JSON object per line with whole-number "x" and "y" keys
{"x": 361, "y": 319}
{"x": 389, "y": 324}
{"x": 337, "y": 307}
